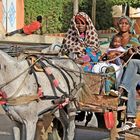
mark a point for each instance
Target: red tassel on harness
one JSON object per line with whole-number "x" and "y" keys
{"x": 2, "y": 102}
{"x": 109, "y": 120}
{"x": 40, "y": 92}
{"x": 55, "y": 82}
{"x": 2, "y": 97}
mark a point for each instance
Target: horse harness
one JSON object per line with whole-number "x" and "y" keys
{"x": 37, "y": 64}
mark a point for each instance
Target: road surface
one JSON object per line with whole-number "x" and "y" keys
{"x": 82, "y": 133}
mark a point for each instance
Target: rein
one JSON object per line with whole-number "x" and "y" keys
{"x": 54, "y": 82}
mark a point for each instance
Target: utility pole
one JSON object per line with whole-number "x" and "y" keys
{"x": 93, "y": 12}
{"x": 75, "y": 6}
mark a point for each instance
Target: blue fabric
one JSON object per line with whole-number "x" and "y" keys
{"x": 88, "y": 68}
{"x": 129, "y": 82}
{"x": 93, "y": 55}
{"x": 94, "y": 58}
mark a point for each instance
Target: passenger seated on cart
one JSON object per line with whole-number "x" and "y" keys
{"x": 29, "y": 29}
{"x": 131, "y": 75}
{"x": 115, "y": 49}
{"x": 81, "y": 42}
{"x": 110, "y": 59}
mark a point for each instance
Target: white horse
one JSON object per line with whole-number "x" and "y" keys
{"x": 21, "y": 87}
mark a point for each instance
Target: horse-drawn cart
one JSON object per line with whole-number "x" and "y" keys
{"x": 98, "y": 101}
{"x": 95, "y": 100}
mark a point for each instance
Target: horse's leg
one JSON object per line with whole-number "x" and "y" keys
{"x": 16, "y": 131}
{"x": 27, "y": 115}
{"x": 30, "y": 128}
{"x": 71, "y": 127}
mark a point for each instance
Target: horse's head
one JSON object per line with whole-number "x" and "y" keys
{"x": 14, "y": 77}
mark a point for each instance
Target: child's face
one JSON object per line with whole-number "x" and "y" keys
{"x": 117, "y": 42}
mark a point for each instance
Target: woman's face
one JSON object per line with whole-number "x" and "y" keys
{"x": 80, "y": 26}
{"x": 124, "y": 25}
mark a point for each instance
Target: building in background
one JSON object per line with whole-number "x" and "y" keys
{"x": 12, "y": 14}
{"x": 134, "y": 14}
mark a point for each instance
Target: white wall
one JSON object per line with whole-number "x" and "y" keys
{"x": 117, "y": 11}
{"x": 9, "y": 15}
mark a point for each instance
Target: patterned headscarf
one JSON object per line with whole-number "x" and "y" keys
{"x": 81, "y": 19}
{"x": 125, "y": 17}
{"x": 73, "y": 43}
{"x": 131, "y": 23}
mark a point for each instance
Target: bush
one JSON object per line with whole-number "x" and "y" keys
{"x": 57, "y": 13}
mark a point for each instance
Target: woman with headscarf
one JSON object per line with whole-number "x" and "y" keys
{"x": 81, "y": 35}
{"x": 132, "y": 72}
{"x": 129, "y": 40}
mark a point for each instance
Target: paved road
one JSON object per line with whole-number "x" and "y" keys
{"x": 6, "y": 131}
{"x": 91, "y": 134}
{"x": 6, "y": 128}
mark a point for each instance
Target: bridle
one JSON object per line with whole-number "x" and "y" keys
{"x": 49, "y": 74}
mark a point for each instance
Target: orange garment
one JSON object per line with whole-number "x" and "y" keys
{"x": 29, "y": 29}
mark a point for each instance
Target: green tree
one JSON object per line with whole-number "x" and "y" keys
{"x": 104, "y": 19}
{"x": 56, "y": 14}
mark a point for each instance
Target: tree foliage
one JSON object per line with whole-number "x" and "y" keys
{"x": 104, "y": 18}
{"x": 58, "y": 13}
{"x": 104, "y": 14}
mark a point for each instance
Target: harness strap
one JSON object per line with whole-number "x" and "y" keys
{"x": 50, "y": 79}
{"x": 39, "y": 89}
{"x": 21, "y": 100}
{"x": 66, "y": 70}
{"x": 53, "y": 80}
{"x": 65, "y": 77}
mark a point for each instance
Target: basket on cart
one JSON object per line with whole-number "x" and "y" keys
{"x": 96, "y": 99}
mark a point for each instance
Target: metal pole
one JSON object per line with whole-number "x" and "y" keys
{"x": 94, "y": 11}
